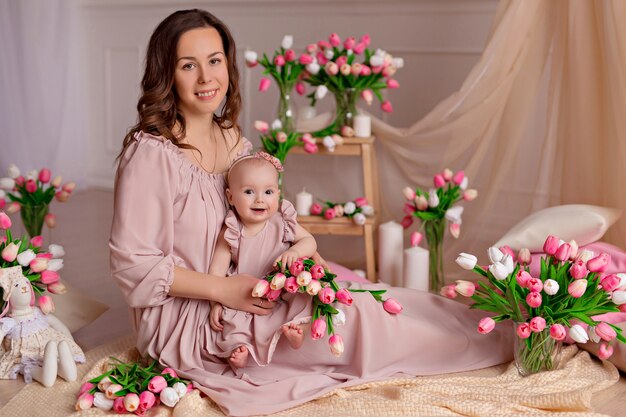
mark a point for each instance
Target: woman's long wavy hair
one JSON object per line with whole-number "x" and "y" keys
{"x": 157, "y": 106}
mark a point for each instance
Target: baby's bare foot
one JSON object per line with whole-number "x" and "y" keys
{"x": 294, "y": 334}
{"x": 238, "y": 357}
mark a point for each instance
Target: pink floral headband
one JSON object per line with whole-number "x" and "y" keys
{"x": 258, "y": 155}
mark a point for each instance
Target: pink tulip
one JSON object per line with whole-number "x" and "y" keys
{"x": 349, "y": 43}
{"x": 273, "y": 295}
{"x": 344, "y": 297}
{"x": 296, "y": 267}
{"x": 31, "y": 186}
{"x": 439, "y": 181}
{"x": 537, "y": 324}
{"x": 336, "y": 344}
{"x": 310, "y": 148}
{"x": 360, "y": 201}
{"x": 281, "y": 137}
{"x": 334, "y": 40}
{"x": 321, "y": 59}
{"x": 279, "y": 61}
{"x": 261, "y": 126}
{"x": 316, "y": 209}
{"x": 38, "y": 264}
{"x": 331, "y": 68}
{"x": 3, "y": 204}
{"x": 578, "y": 269}
{"x": 5, "y": 221}
{"x": 46, "y": 304}
{"x": 318, "y": 329}
{"x": 470, "y": 195}
{"x": 291, "y": 285}
{"x": 563, "y": 252}
{"x": 359, "y": 48}
{"x": 87, "y": 386}
{"x": 290, "y": 55}
{"x": 533, "y": 299}
{"x": 486, "y": 325}
{"x": 455, "y": 230}
{"x": 386, "y": 106}
{"x": 406, "y": 222}
{"x": 317, "y": 271}
{"x": 326, "y": 295}
{"x": 448, "y": 291}
{"x": 189, "y": 387}
{"x": 118, "y": 405}
{"x": 524, "y": 257}
{"x": 44, "y": 255}
{"x": 392, "y": 306}
{"x": 19, "y": 180}
{"x": 599, "y": 263}
{"x": 577, "y": 288}
{"x": 9, "y": 253}
{"x": 558, "y": 332}
{"x": 147, "y": 399}
{"x": 157, "y": 383}
{"x": 342, "y": 60}
{"x": 300, "y": 88}
{"x": 44, "y": 175}
{"x": 307, "y": 138}
{"x": 37, "y": 241}
{"x": 622, "y": 308}
{"x": 57, "y": 288}
{"x": 610, "y": 282}
{"x": 522, "y": 277}
{"x": 605, "y": 351}
{"x": 367, "y": 96}
{"x": 56, "y": 182}
{"x": 69, "y": 187}
{"x": 409, "y": 193}
{"x": 84, "y": 402}
{"x": 447, "y": 174}
{"x": 534, "y": 284}
{"x": 391, "y": 83}
{"x": 329, "y": 214}
{"x": 264, "y": 85}
{"x": 356, "y": 69}
{"x": 416, "y": 239}
{"x": 551, "y": 245}
{"x": 170, "y": 372}
{"x": 306, "y": 59}
{"x": 465, "y": 288}
{"x": 365, "y": 39}
{"x": 605, "y": 331}
{"x": 421, "y": 202}
{"x": 523, "y": 330}
{"x": 62, "y": 196}
{"x": 365, "y": 71}
{"x": 506, "y": 249}
{"x": 49, "y": 277}
{"x": 457, "y": 178}
{"x": 261, "y": 288}
{"x": 311, "y": 48}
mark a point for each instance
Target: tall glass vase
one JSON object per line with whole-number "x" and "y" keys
{"x": 286, "y": 111}
{"x": 33, "y": 217}
{"x": 537, "y": 353}
{"x": 434, "y": 230}
{"x": 345, "y": 110}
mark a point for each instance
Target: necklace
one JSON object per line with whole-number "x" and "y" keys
{"x": 199, "y": 161}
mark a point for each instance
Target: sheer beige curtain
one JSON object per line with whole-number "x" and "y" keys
{"x": 539, "y": 121}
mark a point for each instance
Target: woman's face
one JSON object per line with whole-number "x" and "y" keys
{"x": 253, "y": 191}
{"x": 201, "y": 75}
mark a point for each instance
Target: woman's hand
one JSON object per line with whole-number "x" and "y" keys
{"x": 236, "y": 292}
{"x": 215, "y": 317}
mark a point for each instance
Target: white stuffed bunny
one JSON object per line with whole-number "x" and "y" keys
{"x": 33, "y": 344}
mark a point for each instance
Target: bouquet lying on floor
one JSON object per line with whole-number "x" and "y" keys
{"x": 569, "y": 294}
{"x": 131, "y": 388}
{"x": 304, "y": 276}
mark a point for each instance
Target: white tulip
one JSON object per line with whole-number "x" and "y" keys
{"x": 7, "y": 183}
{"x": 251, "y": 56}
{"x": 104, "y": 383}
{"x": 499, "y": 271}
{"x": 329, "y": 143}
{"x": 466, "y": 261}
{"x": 593, "y": 336}
{"x": 304, "y": 278}
{"x": 102, "y": 402}
{"x": 495, "y": 254}
{"x": 287, "y": 42}
{"x": 464, "y": 183}
{"x": 339, "y": 319}
{"x": 550, "y": 287}
{"x": 453, "y": 214}
{"x": 54, "y": 264}
{"x": 619, "y": 297}
{"x": 578, "y": 334}
{"x": 313, "y": 287}
{"x": 433, "y": 198}
{"x": 320, "y": 92}
{"x": 328, "y": 53}
{"x": 380, "y": 52}
{"x": 169, "y": 396}
{"x": 349, "y": 207}
{"x": 33, "y": 174}
{"x": 507, "y": 261}
{"x": 180, "y": 388}
{"x": 25, "y": 257}
{"x": 3, "y": 194}
{"x": 13, "y": 171}
{"x": 276, "y": 125}
{"x": 313, "y": 68}
{"x": 57, "y": 251}
{"x": 359, "y": 219}
{"x": 398, "y": 62}
{"x": 367, "y": 210}
{"x": 585, "y": 255}
{"x": 377, "y": 61}
{"x": 622, "y": 282}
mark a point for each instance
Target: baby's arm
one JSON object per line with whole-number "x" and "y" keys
{"x": 304, "y": 246}
{"x": 219, "y": 266}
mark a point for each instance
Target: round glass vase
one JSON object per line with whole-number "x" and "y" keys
{"x": 345, "y": 107}
{"x": 286, "y": 111}
{"x": 33, "y": 218}
{"x": 537, "y": 353}
{"x": 434, "y": 231}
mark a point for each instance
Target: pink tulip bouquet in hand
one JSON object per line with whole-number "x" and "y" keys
{"x": 31, "y": 194}
{"x": 307, "y": 277}
{"x": 357, "y": 210}
{"x": 39, "y": 266}
{"x": 435, "y": 208}
{"x": 569, "y": 294}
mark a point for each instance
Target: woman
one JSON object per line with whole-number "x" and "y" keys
{"x": 169, "y": 208}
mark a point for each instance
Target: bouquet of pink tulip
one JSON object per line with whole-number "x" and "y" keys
{"x": 31, "y": 196}
{"x": 349, "y": 70}
{"x": 40, "y": 267}
{"x": 131, "y": 388}
{"x": 435, "y": 208}
{"x": 278, "y": 142}
{"x": 304, "y": 276}
{"x": 570, "y": 292}
{"x": 356, "y": 210}
{"x": 285, "y": 68}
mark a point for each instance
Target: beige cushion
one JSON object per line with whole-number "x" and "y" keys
{"x": 580, "y": 222}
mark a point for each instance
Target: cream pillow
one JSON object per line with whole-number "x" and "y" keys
{"x": 583, "y": 223}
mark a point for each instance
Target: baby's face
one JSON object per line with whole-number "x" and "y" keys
{"x": 253, "y": 191}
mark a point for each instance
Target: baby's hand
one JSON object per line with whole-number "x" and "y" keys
{"x": 286, "y": 259}
{"x": 215, "y": 317}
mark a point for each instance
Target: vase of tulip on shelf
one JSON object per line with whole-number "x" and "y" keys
{"x": 286, "y": 111}
{"x": 434, "y": 231}
{"x": 33, "y": 218}
{"x": 345, "y": 107}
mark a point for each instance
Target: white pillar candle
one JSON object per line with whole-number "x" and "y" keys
{"x": 415, "y": 269}
{"x": 362, "y": 126}
{"x": 307, "y": 112}
{"x": 304, "y": 201}
{"x": 390, "y": 244}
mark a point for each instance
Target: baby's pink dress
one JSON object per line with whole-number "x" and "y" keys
{"x": 255, "y": 255}
{"x": 169, "y": 212}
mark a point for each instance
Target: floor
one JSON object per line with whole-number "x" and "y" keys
{"x": 83, "y": 229}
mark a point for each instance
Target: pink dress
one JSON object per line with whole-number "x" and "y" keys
{"x": 169, "y": 212}
{"x": 255, "y": 255}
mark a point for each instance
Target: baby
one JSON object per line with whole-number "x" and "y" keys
{"x": 258, "y": 233}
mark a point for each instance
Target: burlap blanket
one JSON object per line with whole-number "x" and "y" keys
{"x": 496, "y": 391}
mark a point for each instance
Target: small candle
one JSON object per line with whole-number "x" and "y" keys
{"x": 307, "y": 112}
{"x": 362, "y": 126}
{"x": 390, "y": 243}
{"x": 415, "y": 269}
{"x": 304, "y": 201}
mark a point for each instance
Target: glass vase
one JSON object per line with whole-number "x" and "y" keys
{"x": 345, "y": 107}
{"x": 537, "y": 353}
{"x": 286, "y": 112}
{"x": 434, "y": 230}
{"x": 33, "y": 217}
